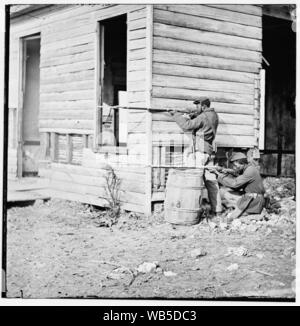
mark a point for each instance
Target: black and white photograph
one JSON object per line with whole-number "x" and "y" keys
{"x": 149, "y": 151}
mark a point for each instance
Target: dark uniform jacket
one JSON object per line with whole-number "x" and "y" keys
{"x": 250, "y": 182}
{"x": 203, "y": 128}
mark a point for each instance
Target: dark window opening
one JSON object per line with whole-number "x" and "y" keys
{"x": 279, "y": 50}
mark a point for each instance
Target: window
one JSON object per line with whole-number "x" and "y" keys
{"x": 112, "y": 128}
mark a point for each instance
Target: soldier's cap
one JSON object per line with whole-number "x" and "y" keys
{"x": 202, "y": 100}
{"x": 237, "y": 156}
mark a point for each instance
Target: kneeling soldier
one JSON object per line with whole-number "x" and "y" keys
{"x": 246, "y": 191}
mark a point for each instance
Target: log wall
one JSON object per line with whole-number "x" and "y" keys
{"x": 207, "y": 50}
{"x": 68, "y": 100}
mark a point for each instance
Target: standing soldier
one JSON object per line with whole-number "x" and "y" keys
{"x": 203, "y": 125}
{"x": 246, "y": 191}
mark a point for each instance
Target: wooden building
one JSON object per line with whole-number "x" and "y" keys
{"x": 70, "y": 63}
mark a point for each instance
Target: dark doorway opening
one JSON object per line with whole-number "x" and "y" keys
{"x": 113, "y": 57}
{"x": 31, "y": 104}
{"x": 279, "y": 50}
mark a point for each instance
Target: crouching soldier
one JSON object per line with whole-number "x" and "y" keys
{"x": 246, "y": 190}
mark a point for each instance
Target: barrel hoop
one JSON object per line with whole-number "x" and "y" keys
{"x": 174, "y": 209}
{"x": 182, "y": 187}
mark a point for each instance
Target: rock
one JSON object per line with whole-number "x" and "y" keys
{"x": 252, "y": 228}
{"x": 212, "y": 225}
{"x": 233, "y": 267}
{"x": 238, "y": 251}
{"x": 147, "y": 267}
{"x": 38, "y": 202}
{"x": 159, "y": 270}
{"x": 223, "y": 225}
{"x": 269, "y": 231}
{"x": 169, "y": 274}
{"x": 236, "y": 224}
{"x": 289, "y": 251}
{"x": 260, "y": 255}
{"x": 199, "y": 252}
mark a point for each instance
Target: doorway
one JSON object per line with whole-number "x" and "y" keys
{"x": 279, "y": 52}
{"x": 113, "y": 80}
{"x": 30, "y": 137}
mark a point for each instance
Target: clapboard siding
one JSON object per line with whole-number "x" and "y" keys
{"x": 215, "y": 12}
{"x": 136, "y": 80}
{"x": 201, "y": 50}
{"x": 68, "y": 98}
{"x": 206, "y": 24}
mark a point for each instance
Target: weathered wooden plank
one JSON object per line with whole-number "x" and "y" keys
{"x": 187, "y": 34}
{"x": 136, "y": 24}
{"x": 67, "y": 105}
{"x": 234, "y": 141}
{"x": 71, "y": 86}
{"x": 244, "y": 8}
{"x": 136, "y": 75}
{"x": 177, "y": 139}
{"x": 138, "y": 96}
{"x": 186, "y": 94}
{"x": 206, "y": 24}
{"x": 133, "y": 185}
{"x": 137, "y": 54}
{"x": 55, "y": 53}
{"x": 137, "y": 44}
{"x": 224, "y": 129}
{"x": 87, "y": 38}
{"x": 67, "y": 124}
{"x": 202, "y": 73}
{"x": 221, "y": 107}
{"x": 169, "y": 44}
{"x": 135, "y": 86}
{"x": 89, "y": 132}
{"x": 137, "y": 127}
{"x": 204, "y": 61}
{"x": 100, "y": 171}
{"x": 98, "y": 191}
{"x": 66, "y": 68}
{"x": 67, "y": 15}
{"x": 225, "y": 118}
{"x": 67, "y": 77}
{"x": 136, "y": 117}
{"x": 202, "y": 84}
{"x": 215, "y": 13}
{"x": 66, "y": 59}
{"x": 93, "y": 200}
{"x": 104, "y": 161}
{"x": 136, "y": 34}
{"x": 136, "y": 138}
{"x": 137, "y": 65}
{"x": 64, "y": 96}
{"x": 137, "y": 14}
{"x": 67, "y": 24}
{"x": 60, "y": 114}
{"x": 56, "y": 36}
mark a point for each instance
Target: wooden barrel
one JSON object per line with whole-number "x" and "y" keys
{"x": 184, "y": 196}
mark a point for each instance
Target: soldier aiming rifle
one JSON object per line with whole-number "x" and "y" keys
{"x": 203, "y": 123}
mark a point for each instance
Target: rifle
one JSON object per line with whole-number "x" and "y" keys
{"x": 223, "y": 170}
{"x": 116, "y": 107}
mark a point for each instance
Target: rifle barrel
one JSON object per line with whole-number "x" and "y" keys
{"x": 116, "y": 107}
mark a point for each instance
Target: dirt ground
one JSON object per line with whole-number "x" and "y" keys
{"x": 60, "y": 249}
